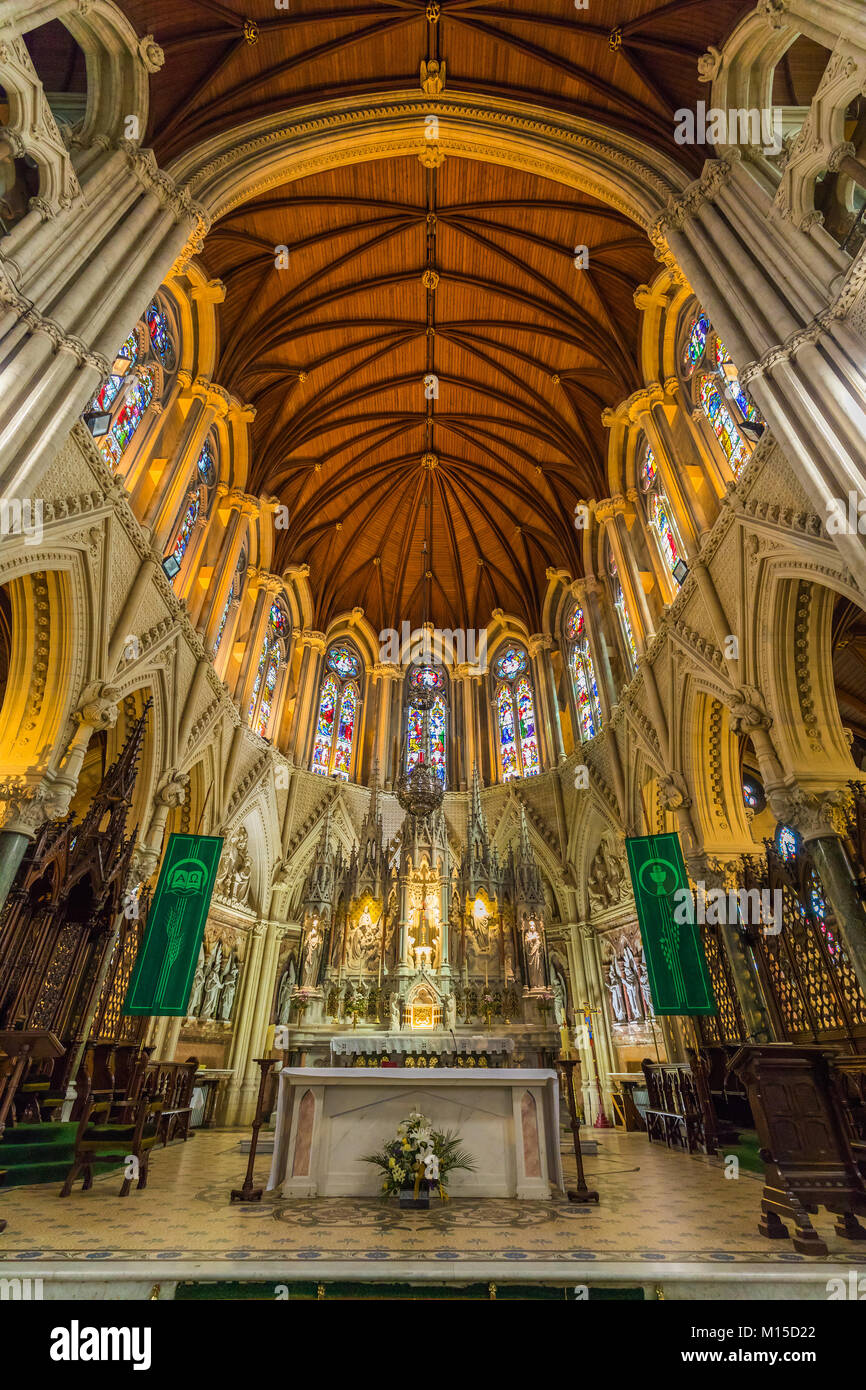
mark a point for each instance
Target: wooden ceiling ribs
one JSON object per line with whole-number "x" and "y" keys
{"x": 454, "y": 504}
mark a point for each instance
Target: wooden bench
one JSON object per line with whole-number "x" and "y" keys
{"x": 106, "y": 1135}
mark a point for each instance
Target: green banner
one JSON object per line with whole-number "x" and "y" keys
{"x": 165, "y": 965}
{"x": 673, "y": 951}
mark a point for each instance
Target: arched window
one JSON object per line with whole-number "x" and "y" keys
{"x": 104, "y": 397}
{"x": 427, "y": 678}
{"x": 659, "y": 512}
{"x": 723, "y": 425}
{"x": 696, "y": 343}
{"x": 744, "y": 405}
{"x": 338, "y": 709}
{"x": 160, "y": 336}
{"x": 224, "y": 617}
{"x": 515, "y": 709}
{"x": 583, "y": 675}
{"x": 187, "y": 526}
{"x": 138, "y": 397}
{"x": 274, "y": 649}
{"x": 621, "y": 607}
{"x": 786, "y": 843}
{"x": 206, "y": 467}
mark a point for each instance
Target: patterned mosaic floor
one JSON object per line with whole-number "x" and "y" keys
{"x": 655, "y": 1205}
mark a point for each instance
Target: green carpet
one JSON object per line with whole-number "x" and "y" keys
{"x": 363, "y": 1290}
{"x": 33, "y": 1153}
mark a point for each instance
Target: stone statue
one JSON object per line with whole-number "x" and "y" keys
{"x": 534, "y": 954}
{"x": 233, "y": 879}
{"x": 646, "y": 995}
{"x": 606, "y": 878}
{"x": 632, "y": 982}
{"x": 212, "y": 984}
{"x": 451, "y": 1011}
{"x": 284, "y": 994}
{"x": 194, "y": 1004}
{"x": 559, "y": 998}
{"x": 312, "y": 955}
{"x": 394, "y": 1005}
{"x": 229, "y": 988}
{"x": 614, "y": 988}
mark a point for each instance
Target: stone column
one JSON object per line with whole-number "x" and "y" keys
{"x": 763, "y": 283}
{"x": 76, "y": 282}
{"x": 820, "y": 820}
{"x": 544, "y": 666}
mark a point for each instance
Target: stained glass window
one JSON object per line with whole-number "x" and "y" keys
{"x": 510, "y": 664}
{"x": 648, "y": 469}
{"x": 138, "y": 397}
{"x": 345, "y": 731}
{"x": 186, "y": 527}
{"x": 697, "y": 340}
{"x": 723, "y": 359}
{"x": 518, "y": 738}
{"x": 507, "y": 745}
{"x": 526, "y": 727}
{"x": 723, "y": 425}
{"x": 659, "y": 516}
{"x": 206, "y": 466}
{"x": 427, "y": 678}
{"x": 325, "y": 727}
{"x": 344, "y": 662}
{"x": 338, "y": 708}
{"x": 160, "y": 336}
{"x": 268, "y": 670}
{"x": 621, "y": 607}
{"x": 437, "y": 726}
{"x": 753, "y": 796}
{"x": 112, "y": 384}
{"x": 583, "y": 675}
{"x": 223, "y": 619}
{"x": 786, "y": 843}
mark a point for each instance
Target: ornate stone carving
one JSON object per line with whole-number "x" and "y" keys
{"x": 606, "y": 881}
{"x": 150, "y": 53}
{"x": 235, "y": 872}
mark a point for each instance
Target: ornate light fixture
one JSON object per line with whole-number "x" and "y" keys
{"x": 419, "y": 791}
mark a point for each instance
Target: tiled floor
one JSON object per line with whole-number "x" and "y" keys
{"x": 655, "y": 1205}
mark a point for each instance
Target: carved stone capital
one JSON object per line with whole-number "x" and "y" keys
{"x": 173, "y": 789}
{"x": 813, "y": 816}
{"x": 99, "y": 708}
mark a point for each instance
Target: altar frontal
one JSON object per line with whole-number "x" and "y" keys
{"x": 330, "y": 1118}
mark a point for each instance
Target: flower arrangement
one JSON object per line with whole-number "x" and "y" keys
{"x": 419, "y": 1158}
{"x": 302, "y": 996}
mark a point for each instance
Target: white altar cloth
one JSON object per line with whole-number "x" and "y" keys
{"x": 374, "y": 1044}
{"x": 329, "y": 1117}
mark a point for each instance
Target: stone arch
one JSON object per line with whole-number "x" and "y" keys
{"x": 795, "y": 672}
{"x": 712, "y": 756}
{"x": 47, "y": 613}
{"x": 236, "y": 165}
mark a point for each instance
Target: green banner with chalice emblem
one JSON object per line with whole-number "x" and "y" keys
{"x": 165, "y": 965}
{"x": 673, "y": 950}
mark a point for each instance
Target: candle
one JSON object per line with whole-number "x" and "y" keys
{"x": 565, "y": 1040}
{"x": 269, "y": 1039}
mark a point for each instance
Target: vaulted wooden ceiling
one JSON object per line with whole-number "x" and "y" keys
{"x": 405, "y": 502}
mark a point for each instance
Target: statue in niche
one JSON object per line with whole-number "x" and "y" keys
{"x": 228, "y": 988}
{"x": 614, "y": 989}
{"x": 394, "y": 1010}
{"x": 533, "y": 941}
{"x": 631, "y": 982}
{"x": 284, "y": 993}
{"x": 212, "y": 984}
{"x": 195, "y": 994}
{"x": 606, "y": 878}
{"x": 362, "y": 949}
{"x": 478, "y": 934}
{"x": 233, "y": 880}
{"x": 312, "y": 954}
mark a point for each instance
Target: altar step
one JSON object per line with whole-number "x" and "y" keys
{"x": 589, "y": 1147}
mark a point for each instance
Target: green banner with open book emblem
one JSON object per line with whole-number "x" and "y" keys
{"x": 673, "y": 950}
{"x": 165, "y": 965}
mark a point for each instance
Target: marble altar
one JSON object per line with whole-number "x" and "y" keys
{"x": 329, "y": 1117}
{"x": 375, "y": 1044}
